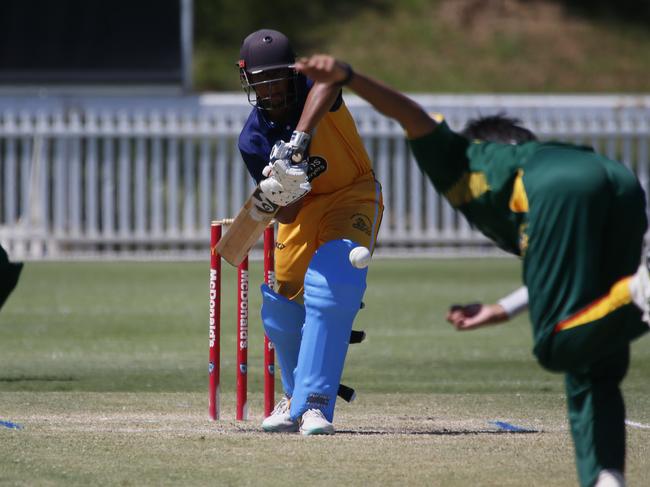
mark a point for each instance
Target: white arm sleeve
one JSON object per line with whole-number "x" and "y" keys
{"x": 515, "y": 302}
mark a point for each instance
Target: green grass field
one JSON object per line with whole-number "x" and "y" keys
{"x": 105, "y": 367}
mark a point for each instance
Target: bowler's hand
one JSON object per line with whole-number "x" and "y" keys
{"x": 323, "y": 68}
{"x": 475, "y": 315}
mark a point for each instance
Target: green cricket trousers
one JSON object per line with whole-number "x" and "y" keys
{"x": 582, "y": 239}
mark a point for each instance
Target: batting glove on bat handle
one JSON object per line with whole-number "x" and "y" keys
{"x": 294, "y": 150}
{"x": 285, "y": 182}
{"x": 298, "y": 143}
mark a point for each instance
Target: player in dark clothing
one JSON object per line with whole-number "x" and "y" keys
{"x": 577, "y": 220}
{"x": 9, "y": 274}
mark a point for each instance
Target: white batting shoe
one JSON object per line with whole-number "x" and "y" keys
{"x": 313, "y": 422}
{"x": 280, "y": 420}
{"x": 610, "y": 478}
{"x": 640, "y": 287}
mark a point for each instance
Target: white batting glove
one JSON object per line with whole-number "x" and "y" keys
{"x": 285, "y": 182}
{"x": 294, "y": 150}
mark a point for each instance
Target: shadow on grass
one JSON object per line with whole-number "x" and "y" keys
{"x": 442, "y": 432}
{"x": 37, "y": 378}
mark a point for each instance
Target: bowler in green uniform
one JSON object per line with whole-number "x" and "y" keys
{"x": 577, "y": 220}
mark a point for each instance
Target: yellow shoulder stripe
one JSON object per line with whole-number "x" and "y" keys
{"x": 519, "y": 198}
{"x": 470, "y": 186}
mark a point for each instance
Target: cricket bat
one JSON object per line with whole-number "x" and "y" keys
{"x": 253, "y": 218}
{"x": 246, "y": 229}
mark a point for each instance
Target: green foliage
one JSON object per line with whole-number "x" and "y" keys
{"x": 445, "y": 45}
{"x": 230, "y": 21}
{"x": 222, "y": 25}
{"x": 627, "y": 11}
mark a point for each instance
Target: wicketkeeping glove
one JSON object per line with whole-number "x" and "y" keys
{"x": 285, "y": 182}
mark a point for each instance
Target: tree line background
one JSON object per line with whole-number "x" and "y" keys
{"x": 444, "y": 45}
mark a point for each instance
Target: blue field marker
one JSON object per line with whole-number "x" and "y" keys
{"x": 10, "y": 425}
{"x": 502, "y": 425}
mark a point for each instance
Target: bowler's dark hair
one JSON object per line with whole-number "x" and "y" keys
{"x": 498, "y": 128}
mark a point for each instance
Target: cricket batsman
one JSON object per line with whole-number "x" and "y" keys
{"x": 301, "y": 144}
{"x": 577, "y": 220}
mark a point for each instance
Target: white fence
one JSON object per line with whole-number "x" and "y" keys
{"x": 143, "y": 177}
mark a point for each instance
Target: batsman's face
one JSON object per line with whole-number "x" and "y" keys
{"x": 273, "y": 87}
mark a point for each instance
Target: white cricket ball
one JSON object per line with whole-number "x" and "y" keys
{"x": 360, "y": 257}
